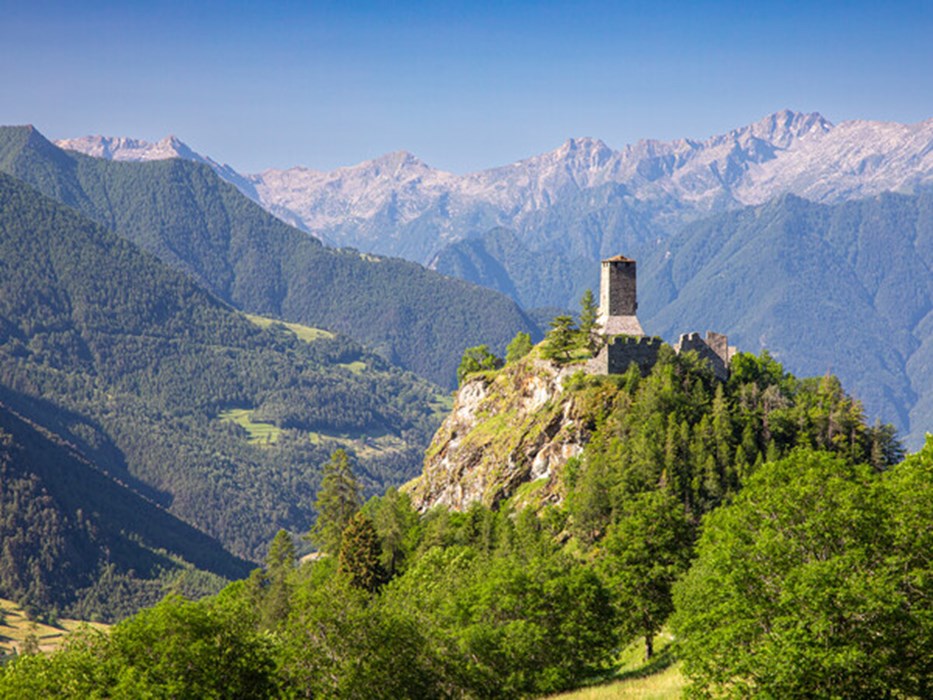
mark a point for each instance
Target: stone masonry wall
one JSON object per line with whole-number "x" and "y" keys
{"x": 617, "y": 288}
{"x": 621, "y": 351}
{"x": 714, "y": 349}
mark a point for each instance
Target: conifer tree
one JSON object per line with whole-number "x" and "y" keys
{"x": 360, "y": 553}
{"x": 279, "y": 564}
{"x": 337, "y": 501}
{"x": 518, "y": 347}
{"x": 561, "y": 339}
{"x": 589, "y": 312}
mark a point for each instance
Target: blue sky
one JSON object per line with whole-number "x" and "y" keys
{"x": 462, "y": 85}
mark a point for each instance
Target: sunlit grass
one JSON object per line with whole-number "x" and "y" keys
{"x": 259, "y": 433}
{"x": 659, "y": 679}
{"x": 16, "y": 628}
{"x": 306, "y": 333}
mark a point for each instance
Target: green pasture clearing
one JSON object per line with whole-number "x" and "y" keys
{"x": 15, "y": 628}
{"x": 259, "y": 433}
{"x": 362, "y": 445}
{"x": 306, "y": 333}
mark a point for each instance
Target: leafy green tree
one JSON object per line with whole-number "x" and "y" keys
{"x": 909, "y": 485}
{"x": 562, "y": 339}
{"x": 342, "y": 643}
{"x": 508, "y": 626}
{"x": 176, "y": 649}
{"x": 644, "y": 553}
{"x": 518, "y": 347}
{"x": 477, "y": 359}
{"x": 360, "y": 553}
{"x": 795, "y": 592}
{"x": 337, "y": 501}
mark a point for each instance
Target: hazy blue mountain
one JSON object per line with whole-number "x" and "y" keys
{"x": 581, "y": 201}
{"x": 185, "y": 214}
{"x": 846, "y": 289}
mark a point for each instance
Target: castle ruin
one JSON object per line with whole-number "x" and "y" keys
{"x": 624, "y": 340}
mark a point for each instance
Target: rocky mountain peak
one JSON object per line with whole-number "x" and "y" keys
{"x": 782, "y": 128}
{"x": 125, "y": 148}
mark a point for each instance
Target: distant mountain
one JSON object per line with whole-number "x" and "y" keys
{"x": 535, "y": 230}
{"x": 190, "y": 218}
{"x": 136, "y": 150}
{"x": 164, "y": 388}
{"x": 846, "y": 288}
{"x": 585, "y": 200}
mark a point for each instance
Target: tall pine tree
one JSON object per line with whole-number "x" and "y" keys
{"x": 337, "y": 501}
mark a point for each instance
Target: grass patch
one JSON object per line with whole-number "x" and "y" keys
{"x": 442, "y": 404}
{"x": 364, "y": 446}
{"x": 268, "y": 434}
{"x": 356, "y": 367}
{"x": 15, "y": 628}
{"x": 658, "y": 679}
{"x": 259, "y": 433}
{"x": 305, "y": 333}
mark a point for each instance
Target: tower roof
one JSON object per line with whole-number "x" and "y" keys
{"x": 618, "y": 258}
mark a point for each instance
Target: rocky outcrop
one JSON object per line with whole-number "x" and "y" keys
{"x": 507, "y": 428}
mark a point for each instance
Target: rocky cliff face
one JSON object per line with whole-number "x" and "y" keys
{"x": 510, "y": 427}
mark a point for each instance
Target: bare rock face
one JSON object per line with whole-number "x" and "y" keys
{"x": 508, "y": 428}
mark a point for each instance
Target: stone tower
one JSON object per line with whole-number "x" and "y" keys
{"x": 618, "y": 298}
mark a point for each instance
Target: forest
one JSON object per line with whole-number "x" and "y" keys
{"x": 785, "y": 542}
{"x": 110, "y": 358}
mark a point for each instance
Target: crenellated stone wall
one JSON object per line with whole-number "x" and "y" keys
{"x": 714, "y": 349}
{"x": 620, "y": 351}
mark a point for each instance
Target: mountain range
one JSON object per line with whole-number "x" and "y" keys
{"x": 570, "y": 198}
{"x": 757, "y": 232}
{"x": 190, "y": 218}
{"x": 168, "y": 347}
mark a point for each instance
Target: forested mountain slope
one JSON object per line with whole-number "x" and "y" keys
{"x": 185, "y": 214}
{"x": 846, "y": 289}
{"x": 141, "y": 370}
{"x": 78, "y": 541}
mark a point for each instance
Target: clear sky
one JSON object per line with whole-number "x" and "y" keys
{"x": 463, "y": 85}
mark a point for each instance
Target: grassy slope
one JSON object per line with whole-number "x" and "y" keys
{"x": 635, "y": 680}
{"x": 16, "y": 627}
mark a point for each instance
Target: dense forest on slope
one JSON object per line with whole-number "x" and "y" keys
{"x": 501, "y": 260}
{"x": 845, "y": 288}
{"x": 136, "y": 366}
{"x": 522, "y": 601}
{"x": 184, "y": 213}
{"x": 78, "y": 542}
